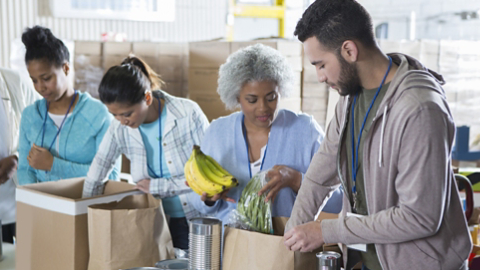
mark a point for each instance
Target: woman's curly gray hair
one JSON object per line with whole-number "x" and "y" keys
{"x": 253, "y": 63}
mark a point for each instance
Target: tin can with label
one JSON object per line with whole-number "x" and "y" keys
{"x": 328, "y": 260}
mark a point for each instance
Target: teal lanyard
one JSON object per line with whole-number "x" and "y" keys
{"x": 61, "y": 125}
{"x": 355, "y": 147}
{"x": 246, "y": 144}
{"x": 159, "y": 142}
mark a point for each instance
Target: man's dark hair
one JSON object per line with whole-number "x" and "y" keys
{"x": 334, "y": 21}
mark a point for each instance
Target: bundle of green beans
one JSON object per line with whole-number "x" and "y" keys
{"x": 253, "y": 208}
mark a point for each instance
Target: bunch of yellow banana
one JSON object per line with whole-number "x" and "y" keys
{"x": 204, "y": 174}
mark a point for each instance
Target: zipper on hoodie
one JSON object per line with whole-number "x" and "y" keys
{"x": 339, "y": 150}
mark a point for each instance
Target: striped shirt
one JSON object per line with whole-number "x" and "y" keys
{"x": 185, "y": 126}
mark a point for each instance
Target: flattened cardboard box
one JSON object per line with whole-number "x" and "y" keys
{"x": 52, "y": 227}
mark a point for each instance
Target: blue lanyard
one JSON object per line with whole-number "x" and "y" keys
{"x": 61, "y": 125}
{"x": 159, "y": 142}
{"x": 246, "y": 144}
{"x": 355, "y": 147}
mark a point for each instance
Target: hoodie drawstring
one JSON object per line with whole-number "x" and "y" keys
{"x": 382, "y": 131}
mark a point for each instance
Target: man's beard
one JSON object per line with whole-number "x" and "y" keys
{"x": 349, "y": 81}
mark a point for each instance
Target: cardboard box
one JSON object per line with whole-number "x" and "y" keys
{"x": 411, "y": 48}
{"x": 170, "y": 67}
{"x": 145, "y": 49}
{"x": 203, "y": 80}
{"x": 174, "y": 88}
{"x": 286, "y": 48}
{"x": 208, "y": 54}
{"x": 296, "y": 62}
{"x": 52, "y": 226}
{"x": 297, "y": 86}
{"x": 84, "y": 60}
{"x": 389, "y": 46}
{"x": 152, "y": 61}
{"x": 88, "y": 47}
{"x": 314, "y": 104}
{"x": 170, "y": 73}
{"x": 211, "y": 105}
{"x": 156, "y": 49}
{"x": 173, "y": 48}
{"x": 112, "y": 60}
{"x": 291, "y": 50}
{"x": 292, "y": 104}
{"x": 314, "y": 89}
{"x": 333, "y": 98}
{"x": 319, "y": 116}
{"x": 117, "y": 48}
{"x": 431, "y": 47}
{"x": 309, "y": 73}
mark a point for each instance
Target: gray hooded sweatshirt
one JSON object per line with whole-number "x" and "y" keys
{"x": 415, "y": 219}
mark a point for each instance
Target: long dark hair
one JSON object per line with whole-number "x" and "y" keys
{"x": 41, "y": 44}
{"x": 128, "y": 82}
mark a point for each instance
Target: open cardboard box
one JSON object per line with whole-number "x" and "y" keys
{"x": 257, "y": 251}
{"x": 52, "y": 226}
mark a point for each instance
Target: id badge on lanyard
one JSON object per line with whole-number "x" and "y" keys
{"x": 359, "y": 247}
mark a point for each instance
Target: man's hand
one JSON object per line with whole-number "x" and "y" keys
{"x": 40, "y": 158}
{"x": 144, "y": 185}
{"x": 8, "y": 167}
{"x": 305, "y": 237}
{"x": 281, "y": 176}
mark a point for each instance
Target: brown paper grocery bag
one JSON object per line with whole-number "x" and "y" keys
{"x": 251, "y": 250}
{"x": 256, "y": 251}
{"x": 130, "y": 233}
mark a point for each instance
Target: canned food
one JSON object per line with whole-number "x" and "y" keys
{"x": 179, "y": 264}
{"x": 205, "y": 241}
{"x": 328, "y": 260}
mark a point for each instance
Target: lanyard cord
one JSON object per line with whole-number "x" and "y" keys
{"x": 246, "y": 144}
{"x": 159, "y": 142}
{"x": 61, "y": 125}
{"x": 355, "y": 148}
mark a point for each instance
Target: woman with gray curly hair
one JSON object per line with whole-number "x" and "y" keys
{"x": 261, "y": 136}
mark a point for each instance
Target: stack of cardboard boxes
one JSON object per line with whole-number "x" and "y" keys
{"x": 94, "y": 58}
{"x": 458, "y": 62}
{"x": 426, "y": 51}
{"x": 88, "y": 66}
{"x": 170, "y": 61}
{"x": 460, "y": 65}
{"x": 114, "y": 53}
{"x": 205, "y": 59}
{"x": 314, "y": 94}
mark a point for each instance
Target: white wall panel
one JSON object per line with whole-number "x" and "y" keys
{"x": 195, "y": 20}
